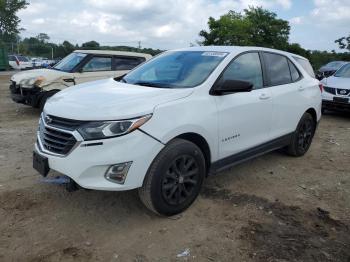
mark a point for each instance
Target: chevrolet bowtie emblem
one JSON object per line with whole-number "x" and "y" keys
{"x": 48, "y": 119}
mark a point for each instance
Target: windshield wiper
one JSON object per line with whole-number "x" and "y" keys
{"x": 151, "y": 84}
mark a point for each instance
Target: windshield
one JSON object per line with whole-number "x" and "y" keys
{"x": 69, "y": 62}
{"x": 178, "y": 69}
{"x": 343, "y": 71}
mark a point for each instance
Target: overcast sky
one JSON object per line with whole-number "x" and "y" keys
{"x": 315, "y": 24}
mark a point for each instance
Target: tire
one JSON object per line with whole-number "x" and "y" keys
{"x": 302, "y": 137}
{"x": 174, "y": 179}
{"x": 44, "y": 98}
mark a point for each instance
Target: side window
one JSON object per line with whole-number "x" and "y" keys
{"x": 127, "y": 63}
{"x": 246, "y": 67}
{"x": 277, "y": 68}
{"x": 294, "y": 71}
{"x": 22, "y": 59}
{"x": 98, "y": 64}
{"x": 12, "y": 58}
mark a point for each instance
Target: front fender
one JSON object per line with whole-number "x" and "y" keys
{"x": 183, "y": 116}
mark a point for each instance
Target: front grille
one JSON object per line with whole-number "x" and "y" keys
{"x": 329, "y": 90}
{"x": 55, "y": 141}
{"x": 343, "y": 92}
{"x": 63, "y": 123}
{"x": 329, "y": 73}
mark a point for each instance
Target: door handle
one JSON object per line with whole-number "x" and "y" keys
{"x": 264, "y": 96}
{"x": 301, "y": 88}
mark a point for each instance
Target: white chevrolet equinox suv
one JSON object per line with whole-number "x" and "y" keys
{"x": 170, "y": 122}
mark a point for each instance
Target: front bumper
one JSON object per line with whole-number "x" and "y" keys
{"x": 332, "y": 105}
{"x": 28, "y": 96}
{"x": 87, "y": 165}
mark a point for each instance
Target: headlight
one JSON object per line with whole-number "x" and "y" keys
{"x": 108, "y": 129}
{"x": 30, "y": 82}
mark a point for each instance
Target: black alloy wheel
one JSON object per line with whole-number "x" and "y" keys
{"x": 180, "y": 180}
{"x": 174, "y": 178}
{"x": 305, "y": 135}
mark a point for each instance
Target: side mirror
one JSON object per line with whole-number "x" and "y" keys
{"x": 233, "y": 86}
{"x": 118, "y": 78}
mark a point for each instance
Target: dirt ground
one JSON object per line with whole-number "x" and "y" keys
{"x": 273, "y": 208}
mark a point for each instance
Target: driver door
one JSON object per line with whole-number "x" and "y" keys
{"x": 244, "y": 117}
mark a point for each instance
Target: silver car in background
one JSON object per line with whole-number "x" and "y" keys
{"x": 336, "y": 95}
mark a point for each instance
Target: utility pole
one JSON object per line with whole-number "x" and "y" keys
{"x": 12, "y": 46}
{"x": 51, "y": 53}
{"x": 139, "y": 45}
{"x": 17, "y": 47}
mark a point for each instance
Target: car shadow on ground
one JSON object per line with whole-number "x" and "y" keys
{"x": 337, "y": 114}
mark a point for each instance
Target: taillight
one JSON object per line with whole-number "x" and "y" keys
{"x": 17, "y": 62}
{"x": 321, "y": 87}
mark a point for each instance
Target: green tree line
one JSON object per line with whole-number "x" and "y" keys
{"x": 40, "y": 46}
{"x": 256, "y": 26}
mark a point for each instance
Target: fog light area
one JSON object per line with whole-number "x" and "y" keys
{"x": 117, "y": 173}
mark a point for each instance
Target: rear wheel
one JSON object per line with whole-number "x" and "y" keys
{"x": 174, "y": 179}
{"x": 303, "y": 136}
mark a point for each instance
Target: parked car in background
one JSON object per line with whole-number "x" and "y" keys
{"x": 336, "y": 95}
{"x": 55, "y": 61}
{"x": 37, "y": 62}
{"x": 34, "y": 87}
{"x": 329, "y": 69}
{"x": 19, "y": 62}
{"x": 182, "y": 115}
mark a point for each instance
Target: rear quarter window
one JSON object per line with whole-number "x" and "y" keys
{"x": 305, "y": 65}
{"x": 294, "y": 72}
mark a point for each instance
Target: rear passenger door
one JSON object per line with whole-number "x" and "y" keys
{"x": 285, "y": 82}
{"x": 244, "y": 117}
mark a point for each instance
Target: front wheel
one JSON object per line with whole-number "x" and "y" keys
{"x": 174, "y": 179}
{"x": 302, "y": 136}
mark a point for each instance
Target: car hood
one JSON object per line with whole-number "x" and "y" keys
{"x": 337, "y": 82}
{"x": 110, "y": 100}
{"x": 49, "y": 75}
{"x": 325, "y": 69}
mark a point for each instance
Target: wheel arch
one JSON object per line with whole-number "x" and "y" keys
{"x": 201, "y": 142}
{"x": 45, "y": 93}
{"x": 313, "y": 113}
